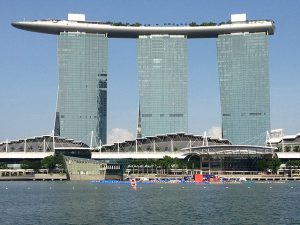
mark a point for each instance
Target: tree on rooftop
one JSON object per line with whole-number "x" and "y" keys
{"x": 136, "y": 24}
{"x": 193, "y": 24}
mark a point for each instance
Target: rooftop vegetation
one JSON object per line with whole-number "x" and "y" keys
{"x": 136, "y": 24}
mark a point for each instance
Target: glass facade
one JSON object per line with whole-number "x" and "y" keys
{"x": 244, "y": 87}
{"x": 162, "y": 67}
{"x": 82, "y": 94}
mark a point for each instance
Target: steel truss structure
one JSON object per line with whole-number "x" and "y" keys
{"x": 162, "y": 143}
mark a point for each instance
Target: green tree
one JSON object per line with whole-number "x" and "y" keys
{"x": 274, "y": 164}
{"x": 193, "y": 24}
{"x": 48, "y": 162}
{"x": 176, "y": 163}
{"x": 26, "y": 164}
{"x": 179, "y": 163}
{"x": 293, "y": 163}
{"x": 136, "y": 24}
{"x": 143, "y": 164}
{"x": 151, "y": 163}
{"x": 167, "y": 162}
{"x": 290, "y": 163}
{"x": 59, "y": 161}
{"x": 36, "y": 165}
{"x": 208, "y": 24}
{"x": 53, "y": 162}
{"x": 182, "y": 164}
{"x": 137, "y": 163}
{"x": 130, "y": 162}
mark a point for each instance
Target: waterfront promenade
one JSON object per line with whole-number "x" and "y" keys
{"x": 29, "y": 175}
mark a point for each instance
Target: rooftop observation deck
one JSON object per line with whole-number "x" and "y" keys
{"x": 119, "y": 30}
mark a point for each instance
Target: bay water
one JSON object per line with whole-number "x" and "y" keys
{"x": 67, "y": 202}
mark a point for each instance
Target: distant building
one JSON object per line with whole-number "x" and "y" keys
{"x": 162, "y": 61}
{"x": 284, "y": 143}
{"x": 210, "y": 154}
{"x": 275, "y": 136}
{"x": 163, "y": 143}
{"x": 39, "y": 147}
{"x": 244, "y": 87}
{"x": 84, "y": 169}
{"x": 82, "y": 95}
{"x": 287, "y": 147}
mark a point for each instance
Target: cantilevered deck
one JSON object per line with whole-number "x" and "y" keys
{"x": 113, "y": 31}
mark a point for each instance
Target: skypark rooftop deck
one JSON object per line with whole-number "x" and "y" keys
{"x": 115, "y": 30}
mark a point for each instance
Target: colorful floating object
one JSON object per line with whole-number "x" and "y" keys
{"x": 133, "y": 183}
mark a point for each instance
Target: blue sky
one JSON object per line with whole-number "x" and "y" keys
{"x": 29, "y": 71}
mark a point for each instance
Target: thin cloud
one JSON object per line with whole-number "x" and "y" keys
{"x": 119, "y": 135}
{"x": 215, "y": 132}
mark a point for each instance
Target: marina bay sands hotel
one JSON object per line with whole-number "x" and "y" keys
{"x": 242, "y": 54}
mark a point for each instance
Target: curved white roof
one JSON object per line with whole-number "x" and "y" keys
{"x": 57, "y": 26}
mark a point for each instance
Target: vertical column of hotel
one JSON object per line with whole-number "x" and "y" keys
{"x": 244, "y": 87}
{"x": 162, "y": 84}
{"x": 82, "y": 94}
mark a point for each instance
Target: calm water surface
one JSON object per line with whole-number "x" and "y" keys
{"x": 94, "y": 203}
